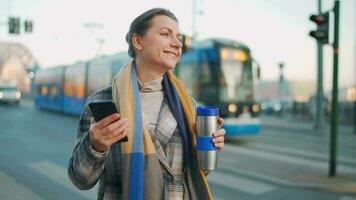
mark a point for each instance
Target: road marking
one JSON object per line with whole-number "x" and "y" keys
{"x": 58, "y": 174}
{"x": 316, "y": 138}
{"x": 299, "y": 152}
{"x": 347, "y": 198}
{"x": 303, "y": 143}
{"x": 239, "y": 184}
{"x": 284, "y": 158}
{"x": 306, "y": 145}
{"x": 11, "y": 190}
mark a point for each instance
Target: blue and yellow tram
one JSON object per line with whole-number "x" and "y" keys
{"x": 219, "y": 72}
{"x": 66, "y": 88}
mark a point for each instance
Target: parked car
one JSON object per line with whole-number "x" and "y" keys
{"x": 10, "y": 94}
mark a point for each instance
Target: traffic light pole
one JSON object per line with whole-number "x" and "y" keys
{"x": 319, "y": 92}
{"x": 334, "y": 108}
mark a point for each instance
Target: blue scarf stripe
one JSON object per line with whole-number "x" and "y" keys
{"x": 136, "y": 176}
{"x": 137, "y": 143}
{"x": 136, "y": 157}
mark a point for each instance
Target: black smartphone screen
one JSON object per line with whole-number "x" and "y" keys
{"x": 103, "y": 108}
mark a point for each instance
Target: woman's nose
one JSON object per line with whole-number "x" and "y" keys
{"x": 177, "y": 43}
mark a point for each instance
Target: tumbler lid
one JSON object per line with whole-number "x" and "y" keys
{"x": 207, "y": 111}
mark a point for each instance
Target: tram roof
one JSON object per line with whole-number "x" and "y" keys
{"x": 211, "y": 42}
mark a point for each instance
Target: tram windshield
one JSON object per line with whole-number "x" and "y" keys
{"x": 236, "y": 83}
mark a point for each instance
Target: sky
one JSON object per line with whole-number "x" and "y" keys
{"x": 275, "y": 30}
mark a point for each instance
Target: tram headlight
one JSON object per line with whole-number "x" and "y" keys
{"x": 224, "y": 54}
{"x": 232, "y": 108}
{"x": 255, "y": 108}
{"x": 239, "y": 55}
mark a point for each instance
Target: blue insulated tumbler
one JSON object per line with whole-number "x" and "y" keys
{"x": 207, "y": 124}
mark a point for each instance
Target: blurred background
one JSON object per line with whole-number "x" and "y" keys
{"x": 268, "y": 65}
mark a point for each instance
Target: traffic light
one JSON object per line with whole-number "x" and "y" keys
{"x": 14, "y": 25}
{"x": 28, "y": 26}
{"x": 322, "y": 32}
{"x": 186, "y": 42}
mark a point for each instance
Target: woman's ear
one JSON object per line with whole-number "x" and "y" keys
{"x": 137, "y": 42}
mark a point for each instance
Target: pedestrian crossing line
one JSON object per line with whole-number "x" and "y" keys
{"x": 228, "y": 167}
{"x": 291, "y": 143}
{"x": 322, "y": 146}
{"x": 295, "y": 138}
{"x": 294, "y": 134}
{"x": 284, "y": 158}
{"x": 298, "y": 152}
{"x": 348, "y": 140}
{"x": 58, "y": 174}
{"x": 347, "y": 198}
{"x": 288, "y": 140}
{"x": 11, "y": 190}
{"x": 238, "y": 183}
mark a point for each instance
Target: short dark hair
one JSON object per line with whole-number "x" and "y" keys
{"x": 141, "y": 24}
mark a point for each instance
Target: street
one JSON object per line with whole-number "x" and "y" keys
{"x": 287, "y": 160}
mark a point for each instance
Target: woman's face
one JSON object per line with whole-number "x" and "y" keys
{"x": 161, "y": 46}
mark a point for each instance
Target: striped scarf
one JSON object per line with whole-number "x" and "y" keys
{"x": 138, "y": 154}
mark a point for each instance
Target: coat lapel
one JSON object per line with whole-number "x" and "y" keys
{"x": 162, "y": 133}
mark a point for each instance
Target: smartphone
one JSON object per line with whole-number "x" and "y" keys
{"x": 103, "y": 108}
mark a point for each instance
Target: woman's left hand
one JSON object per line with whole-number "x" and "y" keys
{"x": 219, "y": 135}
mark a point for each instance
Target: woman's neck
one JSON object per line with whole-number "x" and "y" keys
{"x": 146, "y": 72}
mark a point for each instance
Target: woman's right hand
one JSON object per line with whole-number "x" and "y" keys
{"x": 107, "y": 131}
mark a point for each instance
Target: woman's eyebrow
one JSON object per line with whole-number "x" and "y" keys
{"x": 171, "y": 31}
{"x": 166, "y": 28}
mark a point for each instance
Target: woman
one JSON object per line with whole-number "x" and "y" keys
{"x": 157, "y": 115}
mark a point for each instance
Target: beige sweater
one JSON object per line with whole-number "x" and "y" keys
{"x": 151, "y": 94}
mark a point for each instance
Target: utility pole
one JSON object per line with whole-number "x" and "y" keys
{"x": 194, "y": 16}
{"x": 197, "y": 10}
{"x": 95, "y": 28}
{"x": 281, "y": 82}
{"x": 354, "y": 131}
{"x": 334, "y": 106}
{"x": 319, "y": 92}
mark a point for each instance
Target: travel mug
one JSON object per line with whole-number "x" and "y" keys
{"x": 207, "y": 124}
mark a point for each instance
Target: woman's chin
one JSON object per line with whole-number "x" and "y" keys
{"x": 170, "y": 65}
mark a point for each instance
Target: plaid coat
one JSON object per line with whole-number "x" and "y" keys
{"x": 87, "y": 167}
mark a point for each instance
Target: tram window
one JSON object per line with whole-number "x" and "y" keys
{"x": 205, "y": 75}
{"x": 68, "y": 89}
{"x": 54, "y": 91}
{"x": 188, "y": 75}
{"x": 75, "y": 81}
{"x": 80, "y": 91}
{"x": 95, "y": 82}
{"x": 238, "y": 77}
{"x": 44, "y": 90}
{"x": 38, "y": 90}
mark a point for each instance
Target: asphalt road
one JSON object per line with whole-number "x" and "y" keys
{"x": 35, "y": 147}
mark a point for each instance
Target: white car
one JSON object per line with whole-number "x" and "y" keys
{"x": 10, "y": 94}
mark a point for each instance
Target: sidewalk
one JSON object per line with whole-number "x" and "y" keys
{"x": 288, "y": 171}
{"x": 281, "y": 167}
